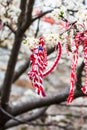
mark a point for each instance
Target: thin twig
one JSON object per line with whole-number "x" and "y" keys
{"x": 37, "y": 30}
{"x": 17, "y": 121}
{"x": 10, "y": 27}
{"x": 21, "y": 70}
{"x": 41, "y": 15}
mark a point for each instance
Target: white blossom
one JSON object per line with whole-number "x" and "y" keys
{"x": 51, "y": 39}
{"x": 56, "y": 13}
{"x": 13, "y": 12}
{"x": 73, "y": 4}
{"x": 82, "y": 17}
{"x": 32, "y": 42}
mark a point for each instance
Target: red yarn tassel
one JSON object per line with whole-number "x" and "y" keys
{"x": 84, "y": 88}
{"x": 39, "y": 63}
{"x": 38, "y": 66}
{"x": 73, "y": 76}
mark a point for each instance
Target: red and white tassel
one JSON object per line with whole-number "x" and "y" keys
{"x": 84, "y": 88}
{"x": 39, "y": 63}
{"x": 73, "y": 76}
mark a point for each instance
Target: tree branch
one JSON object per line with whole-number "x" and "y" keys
{"x": 21, "y": 70}
{"x": 28, "y": 17}
{"x": 26, "y": 119}
{"x": 37, "y": 30}
{"x": 48, "y": 100}
{"x": 6, "y": 87}
{"x": 41, "y": 15}
{"x": 10, "y": 27}
{"x": 22, "y": 15}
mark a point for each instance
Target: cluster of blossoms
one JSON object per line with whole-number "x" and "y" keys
{"x": 50, "y": 40}
{"x": 9, "y": 13}
{"x": 73, "y": 4}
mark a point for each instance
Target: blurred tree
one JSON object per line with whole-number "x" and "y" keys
{"x": 18, "y": 21}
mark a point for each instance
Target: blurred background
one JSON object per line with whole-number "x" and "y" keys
{"x": 57, "y": 116}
